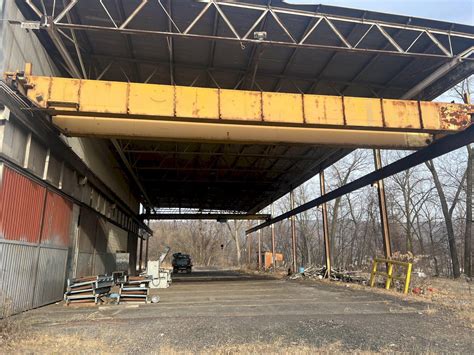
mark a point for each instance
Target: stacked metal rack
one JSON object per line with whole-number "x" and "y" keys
{"x": 135, "y": 289}
{"x": 88, "y": 289}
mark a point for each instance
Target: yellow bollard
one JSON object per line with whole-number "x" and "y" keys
{"x": 407, "y": 279}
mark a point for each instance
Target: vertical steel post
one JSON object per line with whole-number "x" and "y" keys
{"x": 146, "y": 253}
{"x": 140, "y": 260}
{"x": 387, "y": 246}
{"x": 249, "y": 245}
{"x": 259, "y": 249}
{"x": 293, "y": 232}
{"x": 327, "y": 243}
{"x": 273, "y": 240}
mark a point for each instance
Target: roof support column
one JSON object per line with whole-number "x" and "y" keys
{"x": 387, "y": 245}
{"x": 272, "y": 227}
{"x": 140, "y": 258}
{"x": 259, "y": 250}
{"x": 145, "y": 266}
{"x": 327, "y": 244}
{"x": 293, "y": 232}
{"x": 249, "y": 246}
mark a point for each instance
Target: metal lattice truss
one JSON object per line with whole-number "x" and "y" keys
{"x": 441, "y": 40}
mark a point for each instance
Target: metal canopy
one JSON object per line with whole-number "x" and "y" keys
{"x": 304, "y": 49}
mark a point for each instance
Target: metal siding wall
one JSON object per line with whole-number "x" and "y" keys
{"x": 56, "y": 221}
{"x": 73, "y": 253}
{"x": 14, "y": 142}
{"x": 102, "y": 233}
{"x": 36, "y": 158}
{"x": 132, "y": 249}
{"x": 118, "y": 239}
{"x": 31, "y": 274}
{"x": 84, "y": 264}
{"x": 21, "y": 207}
{"x": 87, "y": 230}
{"x": 50, "y": 276}
{"x": 17, "y": 266}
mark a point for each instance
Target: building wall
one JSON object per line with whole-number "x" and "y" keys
{"x": 45, "y": 237}
{"x": 33, "y": 246}
{"x": 18, "y": 47}
{"x": 54, "y": 223}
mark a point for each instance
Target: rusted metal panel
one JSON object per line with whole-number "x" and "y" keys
{"x": 50, "y": 276}
{"x": 57, "y": 220}
{"x": 401, "y": 113}
{"x": 453, "y": 116}
{"x": 21, "y": 207}
{"x": 17, "y": 274}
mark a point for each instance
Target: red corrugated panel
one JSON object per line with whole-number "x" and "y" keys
{"x": 57, "y": 220}
{"x": 21, "y": 207}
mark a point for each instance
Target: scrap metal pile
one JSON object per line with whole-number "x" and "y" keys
{"x": 88, "y": 289}
{"x": 134, "y": 289}
{"x": 97, "y": 289}
{"x": 317, "y": 272}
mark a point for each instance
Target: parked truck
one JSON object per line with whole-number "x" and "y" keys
{"x": 182, "y": 262}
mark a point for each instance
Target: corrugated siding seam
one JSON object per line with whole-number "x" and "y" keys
{"x": 57, "y": 220}
{"x": 21, "y": 207}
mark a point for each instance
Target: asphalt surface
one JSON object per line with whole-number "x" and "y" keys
{"x": 204, "y": 309}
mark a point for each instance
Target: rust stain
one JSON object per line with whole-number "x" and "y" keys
{"x": 455, "y": 116}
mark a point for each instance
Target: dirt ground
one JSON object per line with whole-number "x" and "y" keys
{"x": 229, "y": 312}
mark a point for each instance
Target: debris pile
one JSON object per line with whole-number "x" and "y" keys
{"x": 320, "y": 272}
{"x": 88, "y": 289}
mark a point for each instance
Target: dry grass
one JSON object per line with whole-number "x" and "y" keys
{"x": 455, "y": 295}
{"x": 49, "y": 344}
{"x": 10, "y": 327}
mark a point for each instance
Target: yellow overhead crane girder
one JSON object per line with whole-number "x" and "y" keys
{"x": 163, "y": 112}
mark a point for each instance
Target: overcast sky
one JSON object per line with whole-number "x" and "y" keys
{"x": 460, "y": 11}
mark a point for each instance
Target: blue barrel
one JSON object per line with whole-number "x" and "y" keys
{"x": 301, "y": 269}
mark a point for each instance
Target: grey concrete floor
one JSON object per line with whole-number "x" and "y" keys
{"x": 205, "y": 309}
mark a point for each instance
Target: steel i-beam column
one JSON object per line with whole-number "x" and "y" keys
{"x": 249, "y": 246}
{"x": 387, "y": 245}
{"x": 146, "y": 253}
{"x": 327, "y": 244}
{"x": 260, "y": 249}
{"x": 140, "y": 260}
{"x": 293, "y": 232}
{"x": 273, "y": 239}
